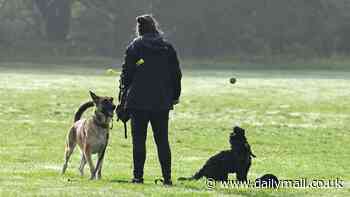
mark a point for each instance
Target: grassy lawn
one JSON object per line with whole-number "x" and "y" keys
{"x": 297, "y": 123}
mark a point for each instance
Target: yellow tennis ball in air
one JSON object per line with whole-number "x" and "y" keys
{"x": 233, "y": 80}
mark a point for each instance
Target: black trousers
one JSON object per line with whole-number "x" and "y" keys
{"x": 159, "y": 122}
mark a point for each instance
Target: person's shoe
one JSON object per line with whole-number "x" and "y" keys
{"x": 166, "y": 182}
{"x": 137, "y": 180}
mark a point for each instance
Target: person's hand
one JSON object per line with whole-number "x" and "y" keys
{"x": 122, "y": 113}
{"x": 176, "y": 101}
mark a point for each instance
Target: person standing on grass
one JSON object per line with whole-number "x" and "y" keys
{"x": 150, "y": 85}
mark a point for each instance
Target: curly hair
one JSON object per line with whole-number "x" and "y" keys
{"x": 147, "y": 24}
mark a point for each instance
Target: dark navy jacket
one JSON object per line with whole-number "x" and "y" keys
{"x": 151, "y": 75}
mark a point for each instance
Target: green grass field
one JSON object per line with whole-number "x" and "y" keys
{"x": 297, "y": 123}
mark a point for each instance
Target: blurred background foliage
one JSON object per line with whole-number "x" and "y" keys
{"x": 244, "y": 29}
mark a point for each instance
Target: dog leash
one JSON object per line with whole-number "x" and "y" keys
{"x": 111, "y": 127}
{"x": 125, "y": 130}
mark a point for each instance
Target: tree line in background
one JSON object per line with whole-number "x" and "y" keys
{"x": 198, "y": 28}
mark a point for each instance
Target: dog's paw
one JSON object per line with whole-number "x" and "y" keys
{"x": 81, "y": 172}
{"x": 95, "y": 177}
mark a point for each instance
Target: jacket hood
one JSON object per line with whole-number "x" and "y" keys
{"x": 153, "y": 41}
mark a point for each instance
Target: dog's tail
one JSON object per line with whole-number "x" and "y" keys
{"x": 82, "y": 109}
{"x": 196, "y": 176}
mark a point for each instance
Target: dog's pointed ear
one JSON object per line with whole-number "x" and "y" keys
{"x": 239, "y": 131}
{"x": 94, "y": 96}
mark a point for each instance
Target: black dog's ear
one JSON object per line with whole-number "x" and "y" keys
{"x": 94, "y": 96}
{"x": 239, "y": 130}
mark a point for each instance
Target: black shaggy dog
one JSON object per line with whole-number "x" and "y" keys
{"x": 237, "y": 160}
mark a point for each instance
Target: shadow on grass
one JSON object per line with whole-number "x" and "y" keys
{"x": 248, "y": 192}
{"x": 120, "y": 181}
{"x": 152, "y": 183}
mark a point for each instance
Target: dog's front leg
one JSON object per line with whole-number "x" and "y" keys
{"x": 99, "y": 163}
{"x": 98, "y": 171}
{"x": 87, "y": 155}
{"x": 241, "y": 174}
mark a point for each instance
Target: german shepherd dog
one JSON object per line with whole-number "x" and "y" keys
{"x": 237, "y": 160}
{"x": 90, "y": 134}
